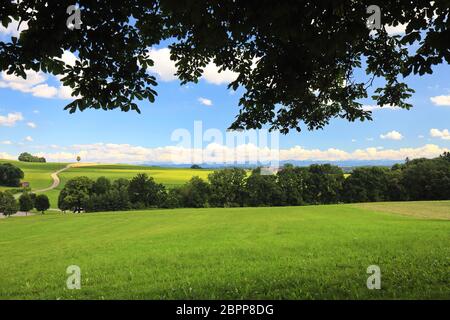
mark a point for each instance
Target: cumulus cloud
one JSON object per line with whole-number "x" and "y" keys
{"x": 218, "y": 153}
{"x": 163, "y": 66}
{"x": 212, "y": 75}
{"x": 35, "y": 83}
{"x": 204, "y": 101}
{"x": 32, "y": 125}
{"x": 6, "y": 156}
{"x": 14, "y": 28}
{"x": 7, "y": 142}
{"x": 392, "y": 135}
{"x": 441, "y": 100}
{"x": 166, "y": 69}
{"x": 368, "y": 107}
{"x": 68, "y": 58}
{"x": 10, "y": 119}
{"x": 396, "y": 30}
{"x": 443, "y": 134}
{"x": 29, "y": 139}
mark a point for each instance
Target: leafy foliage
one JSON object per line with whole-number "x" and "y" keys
{"x": 42, "y": 203}
{"x": 10, "y": 175}
{"x": 8, "y": 205}
{"x": 27, "y": 157}
{"x": 26, "y": 202}
{"x": 295, "y": 59}
{"x": 420, "y": 179}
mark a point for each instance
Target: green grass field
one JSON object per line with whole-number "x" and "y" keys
{"x": 311, "y": 252}
{"x": 38, "y": 174}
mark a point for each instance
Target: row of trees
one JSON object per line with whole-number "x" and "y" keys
{"x": 10, "y": 175}
{"x": 420, "y": 179}
{"x": 27, "y": 202}
{"x": 27, "y": 157}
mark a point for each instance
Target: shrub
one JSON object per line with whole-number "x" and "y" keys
{"x": 26, "y": 157}
{"x": 8, "y": 205}
{"x": 227, "y": 187}
{"x": 42, "y": 203}
{"x": 10, "y": 175}
{"x": 26, "y": 202}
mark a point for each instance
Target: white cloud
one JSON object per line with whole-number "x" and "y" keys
{"x": 6, "y": 142}
{"x": 212, "y": 75}
{"x": 29, "y": 139}
{"x": 392, "y": 135}
{"x": 443, "y": 134}
{"x": 218, "y": 153}
{"x": 6, "y": 156}
{"x": 13, "y": 28}
{"x": 166, "y": 69}
{"x": 44, "y": 91}
{"x": 163, "y": 66}
{"x": 68, "y": 58}
{"x": 368, "y": 107}
{"x": 441, "y": 100}
{"x": 11, "y": 119}
{"x": 32, "y": 125}
{"x": 204, "y": 101}
{"x": 397, "y": 30}
{"x": 35, "y": 83}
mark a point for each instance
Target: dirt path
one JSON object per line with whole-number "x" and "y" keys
{"x": 55, "y": 184}
{"x": 57, "y": 180}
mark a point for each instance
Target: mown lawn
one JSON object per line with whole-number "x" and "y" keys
{"x": 312, "y": 252}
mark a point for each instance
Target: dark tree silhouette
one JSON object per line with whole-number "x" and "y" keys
{"x": 295, "y": 60}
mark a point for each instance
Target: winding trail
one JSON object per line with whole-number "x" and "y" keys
{"x": 56, "y": 180}
{"x": 55, "y": 184}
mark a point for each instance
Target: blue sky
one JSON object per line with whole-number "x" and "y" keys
{"x": 32, "y": 119}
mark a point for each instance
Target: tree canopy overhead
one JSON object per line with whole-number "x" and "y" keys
{"x": 295, "y": 60}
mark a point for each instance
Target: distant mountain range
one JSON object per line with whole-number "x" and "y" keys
{"x": 345, "y": 165}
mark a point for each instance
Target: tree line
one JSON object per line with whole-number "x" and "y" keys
{"x": 27, "y": 202}
{"x": 419, "y": 179}
{"x": 27, "y": 157}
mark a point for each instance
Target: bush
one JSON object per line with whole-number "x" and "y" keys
{"x": 367, "y": 184}
{"x": 227, "y": 187}
{"x": 26, "y": 157}
{"x": 263, "y": 190}
{"x": 42, "y": 203}
{"x": 75, "y": 194}
{"x": 10, "y": 175}
{"x": 144, "y": 189}
{"x": 8, "y": 205}
{"x": 195, "y": 193}
{"x": 26, "y": 202}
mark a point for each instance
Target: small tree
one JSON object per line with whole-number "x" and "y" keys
{"x": 8, "y": 205}
{"x": 26, "y": 203}
{"x": 75, "y": 194}
{"x": 42, "y": 203}
{"x": 78, "y": 158}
